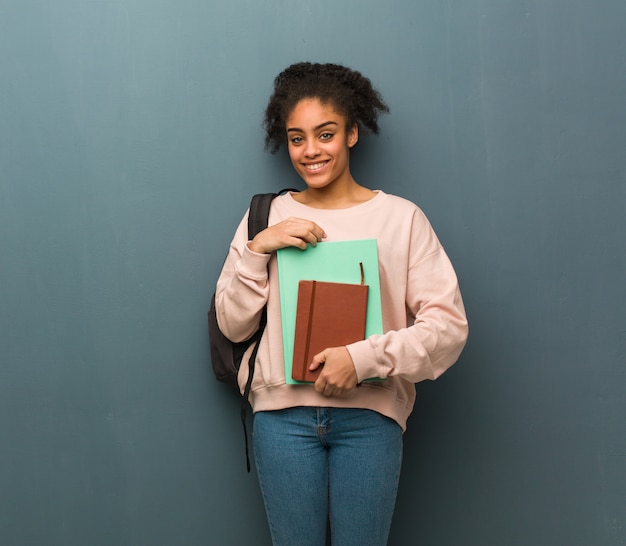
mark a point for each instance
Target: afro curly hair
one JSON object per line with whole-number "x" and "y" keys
{"x": 348, "y": 91}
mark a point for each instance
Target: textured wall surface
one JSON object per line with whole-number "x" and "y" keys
{"x": 130, "y": 142}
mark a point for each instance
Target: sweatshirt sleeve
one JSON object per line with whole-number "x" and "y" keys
{"x": 437, "y": 326}
{"x": 242, "y": 288}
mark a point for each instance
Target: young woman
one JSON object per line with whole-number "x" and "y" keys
{"x": 332, "y": 450}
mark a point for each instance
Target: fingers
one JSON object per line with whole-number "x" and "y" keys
{"x": 302, "y": 232}
{"x": 318, "y": 360}
{"x": 325, "y": 387}
{"x": 296, "y": 232}
{"x": 338, "y": 375}
{"x": 329, "y": 389}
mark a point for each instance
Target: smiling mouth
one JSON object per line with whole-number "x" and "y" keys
{"x": 312, "y": 167}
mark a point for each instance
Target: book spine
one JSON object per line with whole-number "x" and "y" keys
{"x": 309, "y": 328}
{"x": 303, "y": 324}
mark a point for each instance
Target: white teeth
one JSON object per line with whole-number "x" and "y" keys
{"x": 314, "y": 167}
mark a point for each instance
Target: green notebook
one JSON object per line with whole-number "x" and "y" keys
{"x": 336, "y": 261}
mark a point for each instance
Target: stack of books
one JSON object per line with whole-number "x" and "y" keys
{"x": 329, "y": 297}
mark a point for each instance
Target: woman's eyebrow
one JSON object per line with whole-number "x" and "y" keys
{"x": 321, "y": 126}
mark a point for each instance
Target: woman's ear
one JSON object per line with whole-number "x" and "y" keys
{"x": 352, "y": 135}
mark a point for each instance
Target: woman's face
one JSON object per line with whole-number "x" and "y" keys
{"x": 319, "y": 144}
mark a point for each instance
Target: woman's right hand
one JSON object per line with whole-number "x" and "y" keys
{"x": 296, "y": 232}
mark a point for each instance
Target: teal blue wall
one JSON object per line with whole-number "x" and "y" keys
{"x": 130, "y": 142}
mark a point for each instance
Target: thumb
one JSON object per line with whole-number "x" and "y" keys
{"x": 318, "y": 360}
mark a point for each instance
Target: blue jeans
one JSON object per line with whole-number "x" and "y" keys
{"x": 316, "y": 464}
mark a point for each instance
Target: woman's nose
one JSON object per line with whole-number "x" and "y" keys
{"x": 311, "y": 148}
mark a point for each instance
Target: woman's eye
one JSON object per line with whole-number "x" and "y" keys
{"x": 296, "y": 140}
{"x": 326, "y": 136}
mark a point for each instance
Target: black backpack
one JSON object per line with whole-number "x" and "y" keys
{"x": 226, "y": 356}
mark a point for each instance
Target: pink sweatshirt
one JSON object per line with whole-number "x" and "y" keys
{"x": 423, "y": 315}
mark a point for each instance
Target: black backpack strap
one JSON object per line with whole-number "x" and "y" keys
{"x": 257, "y": 222}
{"x": 260, "y": 211}
{"x": 246, "y": 392}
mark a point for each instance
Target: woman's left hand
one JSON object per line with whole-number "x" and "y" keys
{"x": 338, "y": 374}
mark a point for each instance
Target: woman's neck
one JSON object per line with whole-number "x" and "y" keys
{"x": 334, "y": 197}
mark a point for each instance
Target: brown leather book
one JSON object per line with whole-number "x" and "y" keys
{"x": 328, "y": 314}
